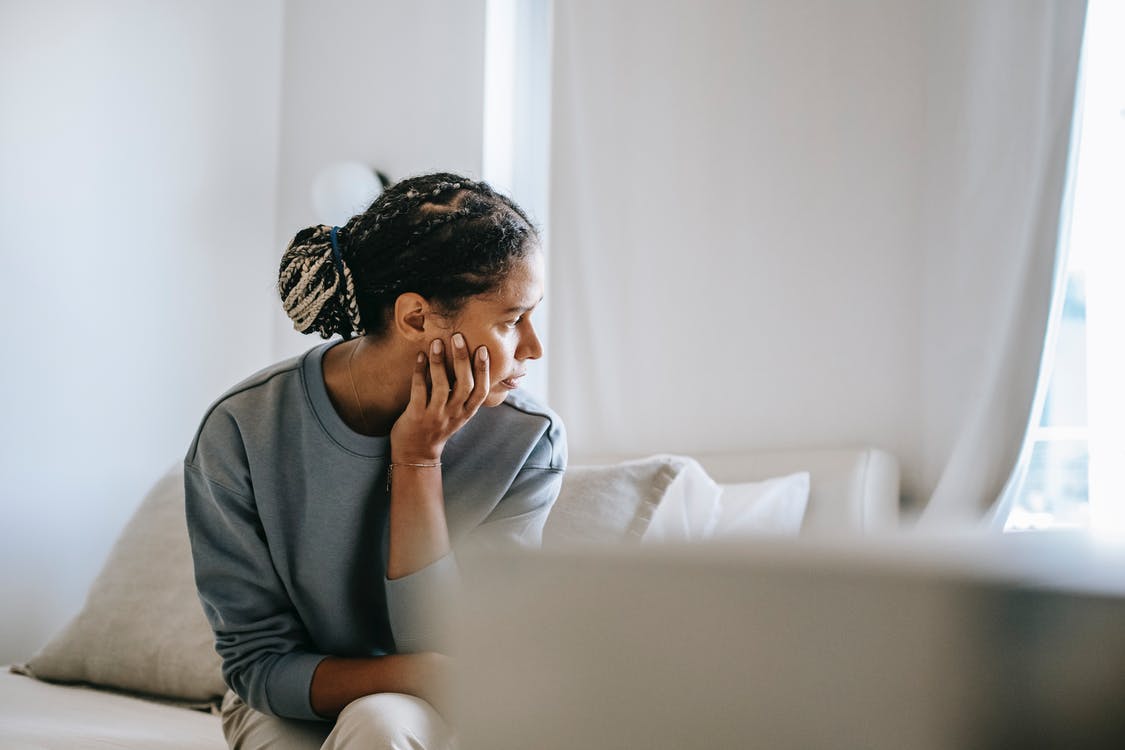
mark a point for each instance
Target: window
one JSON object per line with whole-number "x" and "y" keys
{"x": 1074, "y": 475}
{"x": 1055, "y": 489}
{"x": 517, "y": 85}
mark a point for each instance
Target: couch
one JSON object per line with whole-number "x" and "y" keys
{"x": 135, "y": 668}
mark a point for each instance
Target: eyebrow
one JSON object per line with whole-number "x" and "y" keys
{"x": 522, "y": 308}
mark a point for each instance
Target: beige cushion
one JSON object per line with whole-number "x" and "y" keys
{"x": 611, "y": 503}
{"x": 142, "y": 628}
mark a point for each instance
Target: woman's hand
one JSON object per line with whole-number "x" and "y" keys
{"x": 437, "y": 407}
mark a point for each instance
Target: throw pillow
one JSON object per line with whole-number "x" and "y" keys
{"x": 142, "y": 627}
{"x": 773, "y": 506}
{"x": 611, "y": 503}
{"x": 690, "y": 508}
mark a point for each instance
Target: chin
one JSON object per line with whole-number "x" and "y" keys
{"x": 495, "y": 398}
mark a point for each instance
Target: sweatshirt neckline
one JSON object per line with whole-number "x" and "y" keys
{"x": 313, "y": 371}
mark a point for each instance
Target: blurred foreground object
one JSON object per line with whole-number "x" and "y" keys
{"x": 879, "y": 642}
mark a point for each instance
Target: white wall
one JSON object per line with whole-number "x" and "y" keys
{"x": 735, "y": 194}
{"x": 138, "y": 151}
{"x": 156, "y": 158}
{"x": 399, "y": 86}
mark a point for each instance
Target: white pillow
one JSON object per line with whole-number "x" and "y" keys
{"x": 690, "y": 508}
{"x": 773, "y": 506}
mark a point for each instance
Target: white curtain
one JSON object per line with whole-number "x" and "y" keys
{"x": 789, "y": 224}
{"x": 732, "y": 212}
{"x": 1002, "y": 81}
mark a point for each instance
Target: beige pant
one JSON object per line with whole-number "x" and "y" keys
{"x": 384, "y": 721}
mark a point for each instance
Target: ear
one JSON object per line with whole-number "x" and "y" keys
{"x": 413, "y": 316}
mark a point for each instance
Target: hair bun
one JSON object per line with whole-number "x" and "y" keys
{"x": 316, "y": 288}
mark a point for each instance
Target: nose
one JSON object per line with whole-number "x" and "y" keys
{"x": 529, "y": 347}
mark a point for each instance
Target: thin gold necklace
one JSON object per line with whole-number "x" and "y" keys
{"x": 358, "y": 403}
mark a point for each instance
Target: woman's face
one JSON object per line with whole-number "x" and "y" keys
{"x": 501, "y": 321}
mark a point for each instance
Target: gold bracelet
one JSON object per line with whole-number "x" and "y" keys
{"x": 391, "y": 466}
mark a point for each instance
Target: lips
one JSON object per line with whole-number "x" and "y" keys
{"x": 512, "y": 382}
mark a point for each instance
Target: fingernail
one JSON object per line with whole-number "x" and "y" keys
{"x": 436, "y": 346}
{"x": 459, "y": 341}
{"x": 421, "y": 357}
{"x": 483, "y": 355}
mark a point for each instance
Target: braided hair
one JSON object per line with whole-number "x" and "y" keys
{"x": 439, "y": 235}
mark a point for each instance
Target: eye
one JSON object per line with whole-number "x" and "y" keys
{"x": 514, "y": 323}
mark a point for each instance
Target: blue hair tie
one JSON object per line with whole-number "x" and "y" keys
{"x": 336, "y": 257}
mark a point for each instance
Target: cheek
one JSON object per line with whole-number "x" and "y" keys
{"x": 501, "y": 352}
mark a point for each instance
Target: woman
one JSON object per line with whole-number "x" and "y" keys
{"x": 326, "y": 494}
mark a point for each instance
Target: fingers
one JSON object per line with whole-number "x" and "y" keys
{"x": 483, "y": 381}
{"x": 471, "y": 382}
{"x": 419, "y": 390}
{"x": 434, "y": 413}
{"x": 439, "y": 394}
{"x": 462, "y": 371}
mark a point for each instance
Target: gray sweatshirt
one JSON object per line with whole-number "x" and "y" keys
{"x": 287, "y": 512}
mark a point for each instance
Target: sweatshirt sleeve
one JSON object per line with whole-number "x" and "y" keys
{"x": 415, "y": 602}
{"x": 263, "y": 645}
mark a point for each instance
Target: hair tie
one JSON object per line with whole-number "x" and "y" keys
{"x": 336, "y": 257}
